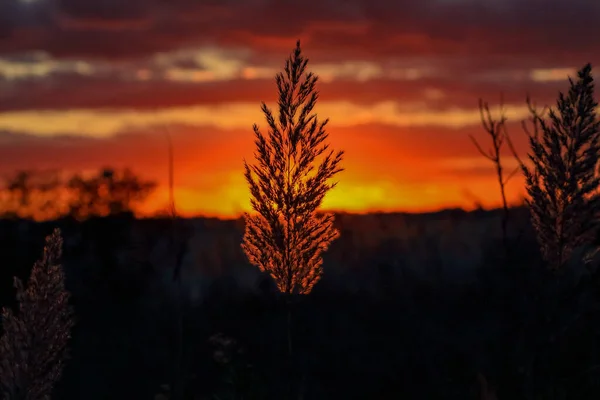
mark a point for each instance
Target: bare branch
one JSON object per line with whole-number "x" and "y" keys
{"x": 483, "y": 153}
{"x": 496, "y": 129}
{"x": 513, "y": 173}
{"x": 513, "y": 151}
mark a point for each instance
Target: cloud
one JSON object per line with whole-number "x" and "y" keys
{"x": 109, "y": 122}
{"x": 148, "y": 54}
{"x": 358, "y": 29}
{"x": 100, "y": 86}
{"x": 38, "y": 65}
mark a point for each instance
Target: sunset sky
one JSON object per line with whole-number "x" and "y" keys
{"x": 84, "y": 84}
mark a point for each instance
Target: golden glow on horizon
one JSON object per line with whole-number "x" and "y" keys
{"x": 392, "y": 170}
{"x": 231, "y": 200}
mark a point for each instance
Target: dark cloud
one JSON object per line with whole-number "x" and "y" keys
{"x": 549, "y": 30}
{"x": 68, "y": 91}
{"x": 108, "y": 10}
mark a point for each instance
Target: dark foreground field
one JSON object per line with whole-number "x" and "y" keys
{"x": 409, "y": 307}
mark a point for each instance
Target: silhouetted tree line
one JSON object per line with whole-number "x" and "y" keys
{"x": 50, "y": 195}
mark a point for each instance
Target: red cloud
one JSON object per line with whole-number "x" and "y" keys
{"x": 548, "y": 30}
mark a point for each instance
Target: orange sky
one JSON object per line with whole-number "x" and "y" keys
{"x": 84, "y": 85}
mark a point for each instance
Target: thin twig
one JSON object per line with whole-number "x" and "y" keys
{"x": 496, "y": 129}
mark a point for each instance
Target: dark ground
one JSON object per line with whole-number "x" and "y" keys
{"x": 410, "y": 307}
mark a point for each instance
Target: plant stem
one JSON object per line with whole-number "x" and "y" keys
{"x": 289, "y": 329}
{"x": 290, "y": 348}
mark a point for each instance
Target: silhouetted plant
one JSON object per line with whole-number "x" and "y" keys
{"x": 286, "y": 236}
{"x": 496, "y": 129}
{"x": 562, "y": 183}
{"x": 33, "y": 348}
{"x": 178, "y": 246}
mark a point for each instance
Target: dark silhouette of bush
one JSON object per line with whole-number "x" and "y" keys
{"x": 32, "y": 194}
{"x": 108, "y": 193}
{"x": 563, "y": 183}
{"x": 45, "y": 195}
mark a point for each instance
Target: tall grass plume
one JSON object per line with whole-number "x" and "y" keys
{"x": 286, "y": 236}
{"x": 33, "y": 348}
